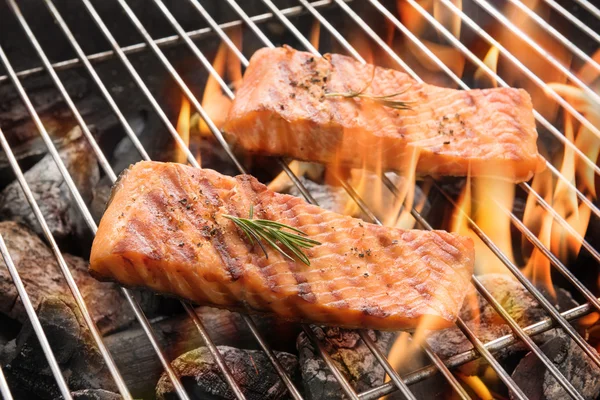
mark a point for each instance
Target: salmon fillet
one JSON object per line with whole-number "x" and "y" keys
{"x": 164, "y": 229}
{"x": 284, "y": 107}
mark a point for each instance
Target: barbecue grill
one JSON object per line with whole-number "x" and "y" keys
{"x": 580, "y": 16}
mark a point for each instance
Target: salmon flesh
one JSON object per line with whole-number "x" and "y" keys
{"x": 164, "y": 229}
{"x": 287, "y": 106}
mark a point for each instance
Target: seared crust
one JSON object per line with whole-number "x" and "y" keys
{"x": 282, "y": 108}
{"x": 165, "y": 230}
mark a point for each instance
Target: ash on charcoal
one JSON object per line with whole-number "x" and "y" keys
{"x": 42, "y": 277}
{"x": 251, "y": 369}
{"x": 538, "y": 383}
{"x": 51, "y": 191}
{"x": 95, "y": 394}
{"x": 481, "y": 317}
{"x": 137, "y": 359}
{"x": 352, "y": 357}
{"x": 80, "y": 361}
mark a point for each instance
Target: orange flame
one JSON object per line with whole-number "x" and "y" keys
{"x": 315, "y": 34}
{"x": 485, "y": 200}
{"x": 214, "y": 101}
{"x": 476, "y": 384}
{"x": 490, "y": 60}
{"x": 586, "y": 140}
{"x": 446, "y": 17}
{"x": 183, "y": 128}
{"x": 550, "y": 232}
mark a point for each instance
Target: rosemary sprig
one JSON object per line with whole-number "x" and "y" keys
{"x": 385, "y": 100}
{"x": 271, "y": 232}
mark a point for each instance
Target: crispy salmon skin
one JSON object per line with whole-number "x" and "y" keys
{"x": 164, "y": 229}
{"x": 285, "y": 107}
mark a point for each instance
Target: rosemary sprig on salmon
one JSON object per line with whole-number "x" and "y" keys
{"x": 386, "y": 100}
{"x": 271, "y": 232}
{"x": 362, "y": 275}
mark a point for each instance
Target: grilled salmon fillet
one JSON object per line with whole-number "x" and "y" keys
{"x": 164, "y": 229}
{"x": 285, "y": 107}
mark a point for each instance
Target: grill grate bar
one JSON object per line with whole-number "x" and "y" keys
{"x": 551, "y": 128}
{"x": 539, "y": 82}
{"x": 374, "y": 349}
{"x": 4, "y": 389}
{"x": 512, "y": 267}
{"x": 556, "y": 34}
{"x": 78, "y": 199}
{"x": 514, "y": 326}
{"x": 574, "y": 20}
{"x": 394, "y": 376}
{"x": 506, "y": 340}
{"x": 553, "y": 259}
{"x": 247, "y": 319}
{"x": 471, "y": 355}
{"x": 528, "y": 285}
{"x": 35, "y": 322}
{"x": 593, "y": 252}
{"x": 210, "y": 345}
{"x": 88, "y": 66}
{"x": 365, "y": 209}
{"x": 196, "y": 51}
{"x": 558, "y": 135}
{"x": 293, "y": 29}
{"x": 67, "y": 274}
{"x": 272, "y": 358}
{"x": 502, "y": 374}
{"x": 161, "y": 42}
{"x": 33, "y": 204}
{"x": 346, "y": 387}
{"x": 539, "y": 49}
{"x": 590, "y": 7}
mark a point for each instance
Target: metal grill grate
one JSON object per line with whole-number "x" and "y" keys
{"x": 397, "y": 382}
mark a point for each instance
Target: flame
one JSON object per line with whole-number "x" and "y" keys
{"x": 416, "y": 57}
{"x": 414, "y": 21}
{"x": 476, "y": 384}
{"x": 589, "y": 73}
{"x": 536, "y": 62}
{"x": 485, "y": 200}
{"x": 589, "y": 320}
{"x": 315, "y": 34}
{"x": 183, "y": 128}
{"x": 214, "y": 101}
{"x": 490, "y": 60}
{"x": 550, "y": 232}
{"x": 407, "y": 346}
{"x": 586, "y": 141}
{"x": 446, "y": 17}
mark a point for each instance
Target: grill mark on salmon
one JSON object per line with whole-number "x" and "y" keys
{"x": 362, "y": 275}
{"x": 282, "y": 108}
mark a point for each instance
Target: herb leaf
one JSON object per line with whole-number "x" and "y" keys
{"x": 386, "y": 100}
{"x": 271, "y": 232}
